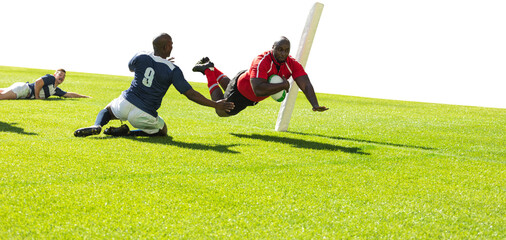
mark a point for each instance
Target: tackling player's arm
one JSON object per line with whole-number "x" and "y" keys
{"x": 200, "y": 99}
{"x": 261, "y": 87}
{"x": 39, "y": 83}
{"x": 308, "y": 90}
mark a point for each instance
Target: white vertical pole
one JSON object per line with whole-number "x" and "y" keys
{"x": 306, "y": 41}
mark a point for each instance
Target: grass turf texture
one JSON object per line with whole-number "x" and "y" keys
{"x": 367, "y": 168}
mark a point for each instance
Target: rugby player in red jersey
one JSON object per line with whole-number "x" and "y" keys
{"x": 251, "y": 86}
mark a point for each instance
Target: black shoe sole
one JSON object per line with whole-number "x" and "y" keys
{"x": 84, "y": 132}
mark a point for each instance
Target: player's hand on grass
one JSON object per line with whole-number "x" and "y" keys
{"x": 320, "y": 109}
{"x": 224, "y": 105}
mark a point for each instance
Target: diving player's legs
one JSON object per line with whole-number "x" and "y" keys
{"x": 213, "y": 75}
{"x": 215, "y": 80}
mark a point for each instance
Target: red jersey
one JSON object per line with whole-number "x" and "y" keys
{"x": 263, "y": 66}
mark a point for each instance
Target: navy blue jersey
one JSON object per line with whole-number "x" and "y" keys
{"x": 153, "y": 77}
{"x": 48, "y": 89}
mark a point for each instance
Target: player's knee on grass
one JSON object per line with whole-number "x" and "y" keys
{"x": 163, "y": 131}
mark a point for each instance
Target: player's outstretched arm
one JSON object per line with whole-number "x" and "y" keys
{"x": 307, "y": 88}
{"x": 200, "y": 99}
{"x": 75, "y": 95}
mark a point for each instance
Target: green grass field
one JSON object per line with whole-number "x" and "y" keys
{"x": 367, "y": 168}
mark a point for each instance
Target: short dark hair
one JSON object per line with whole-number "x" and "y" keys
{"x": 160, "y": 41}
{"x": 61, "y": 70}
{"x": 281, "y": 39}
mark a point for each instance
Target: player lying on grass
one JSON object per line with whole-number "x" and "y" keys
{"x": 139, "y": 104}
{"x": 42, "y": 88}
{"x": 251, "y": 86}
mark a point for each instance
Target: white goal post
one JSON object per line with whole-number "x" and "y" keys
{"x": 306, "y": 41}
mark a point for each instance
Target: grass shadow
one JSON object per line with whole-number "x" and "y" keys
{"x": 366, "y": 141}
{"x": 192, "y": 146}
{"x": 301, "y": 143}
{"x": 9, "y": 127}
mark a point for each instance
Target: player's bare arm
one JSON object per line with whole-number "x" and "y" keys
{"x": 261, "y": 87}
{"x": 74, "y": 95}
{"x": 38, "y": 86}
{"x": 307, "y": 88}
{"x": 200, "y": 99}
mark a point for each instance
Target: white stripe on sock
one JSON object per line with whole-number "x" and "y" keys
{"x": 213, "y": 86}
{"x": 220, "y": 77}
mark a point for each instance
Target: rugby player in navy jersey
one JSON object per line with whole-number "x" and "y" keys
{"x": 154, "y": 74}
{"x": 249, "y": 87}
{"x": 42, "y": 88}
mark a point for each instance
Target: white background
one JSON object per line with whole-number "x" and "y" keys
{"x": 443, "y": 51}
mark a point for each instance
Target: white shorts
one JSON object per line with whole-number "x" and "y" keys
{"x": 125, "y": 111}
{"x": 22, "y": 90}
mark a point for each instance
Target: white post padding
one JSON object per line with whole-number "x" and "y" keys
{"x": 306, "y": 41}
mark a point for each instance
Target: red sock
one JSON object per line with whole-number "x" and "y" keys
{"x": 213, "y": 78}
{"x": 219, "y": 75}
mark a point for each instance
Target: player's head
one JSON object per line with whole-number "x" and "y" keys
{"x": 59, "y": 75}
{"x": 162, "y": 45}
{"x": 281, "y": 49}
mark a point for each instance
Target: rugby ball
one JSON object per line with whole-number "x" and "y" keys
{"x": 279, "y": 96}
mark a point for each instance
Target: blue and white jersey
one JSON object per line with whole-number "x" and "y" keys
{"x": 48, "y": 89}
{"x": 153, "y": 77}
